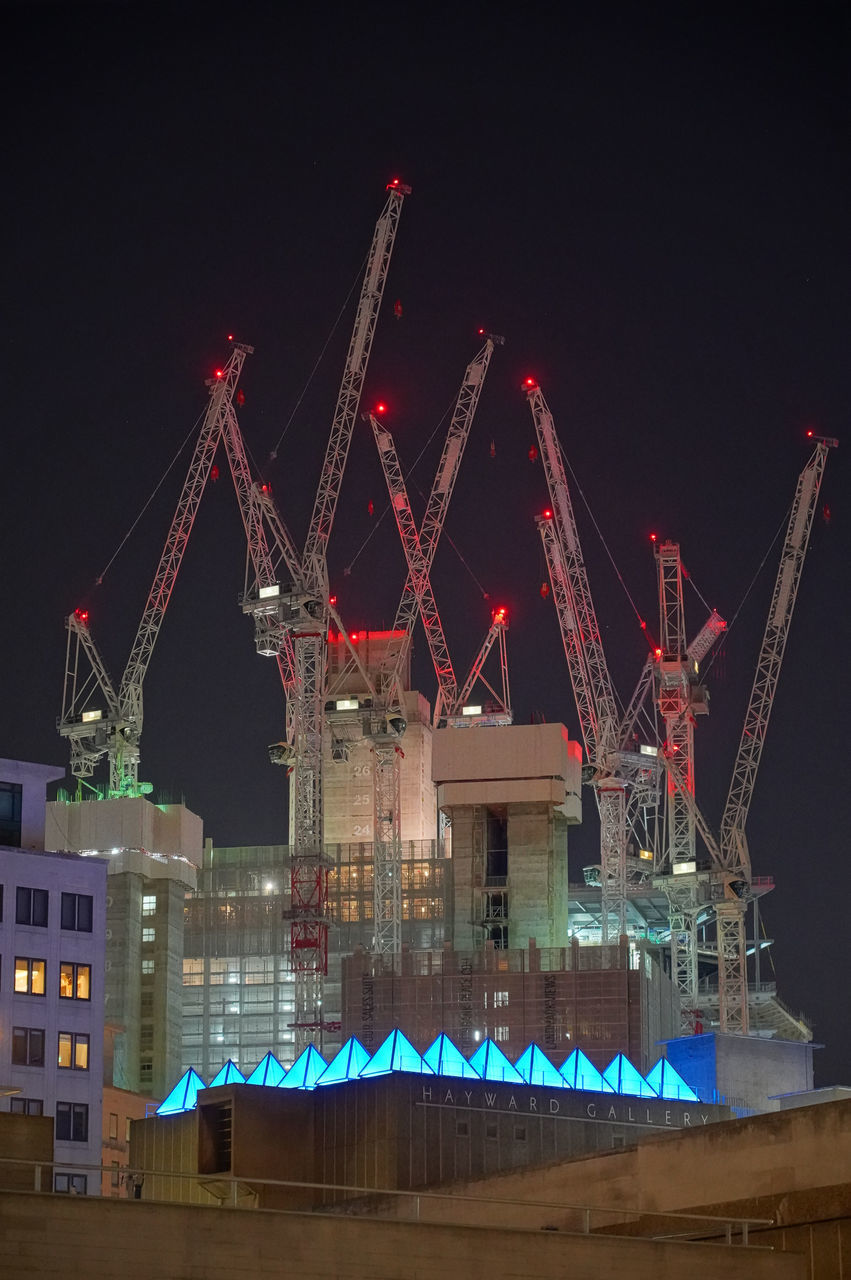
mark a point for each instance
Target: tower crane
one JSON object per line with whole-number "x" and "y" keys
{"x": 589, "y": 673}
{"x": 116, "y": 732}
{"x": 730, "y": 857}
{"x": 300, "y": 606}
{"x": 386, "y": 722}
{"x": 502, "y": 700}
{"x": 681, "y": 698}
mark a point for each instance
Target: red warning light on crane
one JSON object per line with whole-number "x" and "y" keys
{"x": 545, "y": 590}
{"x": 499, "y": 614}
{"x": 82, "y": 615}
{"x": 220, "y": 373}
{"x": 529, "y": 383}
{"x": 240, "y": 397}
{"x": 658, "y": 652}
{"x": 230, "y": 337}
{"x": 533, "y": 453}
{"x": 653, "y": 537}
{"x": 381, "y": 408}
{"x": 547, "y": 515}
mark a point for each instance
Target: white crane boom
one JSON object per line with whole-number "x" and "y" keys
{"x": 586, "y": 660}
{"x": 348, "y": 399}
{"x": 418, "y": 570}
{"x": 121, "y": 740}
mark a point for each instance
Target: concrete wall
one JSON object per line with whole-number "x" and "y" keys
{"x": 507, "y": 764}
{"x": 33, "y": 780}
{"x": 767, "y": 1155}
{"x": 129, "y": 1240}
{"x": 128, "y": 823}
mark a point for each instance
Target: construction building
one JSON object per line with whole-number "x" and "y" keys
{"x": 152, "y": 854}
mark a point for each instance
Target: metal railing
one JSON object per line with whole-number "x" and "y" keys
{"x": 385, "y": 1203}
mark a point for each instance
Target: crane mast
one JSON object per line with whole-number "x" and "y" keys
{"x": 299, "y": 615}
{"x": 681, "y": 698}
{"x": 119, "y": 734}
{"x": 589, "y": 673}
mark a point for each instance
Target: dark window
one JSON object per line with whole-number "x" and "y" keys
{"x": 26, "y": 1106}
{"x": 491, "y": 1129}
{"x": 75, "y": 981}
{"x": 72, "y": 1122}
{"x": 31, "y": 907}
{"x": 1, "y": 904}
{"x": 77, "y": 912}
{"x": 27, "y": 1047}
{"x": 113, "y": 1126}
{"x": 10, "y": 813}
{"x": 462, "y": 1129}
{"x": 70, "y": 1183}
{"x": 520, "y": 1133}
{"x": 29, "y": 976}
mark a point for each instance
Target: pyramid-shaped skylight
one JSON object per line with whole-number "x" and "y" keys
{"x": 396, "y": 1054}
{"x": 580, "y": 1073}
{"x": 536, "y": 1068}
{"x": 492, "y": 1064}
{"x": 668, "y": 1083}
{"x": 305, "y": 1071}
{"x": 184, "y": 1095}
{"x": 625, "y": 1079}
{"x": 268, "y": 1071}
{"x": 347, "y": 1064}
{"x": 229, "y": 1074}
{"x": 447, "y": 1060}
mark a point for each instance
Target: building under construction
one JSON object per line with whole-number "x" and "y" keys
{"x": 426, "y": 866}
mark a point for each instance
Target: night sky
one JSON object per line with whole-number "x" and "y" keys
{"x": 652, "y": 208}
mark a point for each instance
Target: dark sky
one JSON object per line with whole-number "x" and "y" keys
{"x": 652, "y": 208}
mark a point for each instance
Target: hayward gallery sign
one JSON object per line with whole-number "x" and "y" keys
{"x": 573, "y": 1105}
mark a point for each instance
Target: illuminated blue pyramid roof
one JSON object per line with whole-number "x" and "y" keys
{"x": 536, "y": 1068}
{"x": 229, "y": 1074}
{"x": 447, "y": 1060}
{"x": 346, "y": 1064}
{"x": 492, "y": 1064}
{"x": 668, "y": 1083}
{"x": 580, "y": 1073}
{"x": 184, "y": 1095}
{"x": 624, "y": 1079}
{"x": 396, "y": 1054}
{"x": 305, "y": 1071}
{"x": 267, "y": 1071}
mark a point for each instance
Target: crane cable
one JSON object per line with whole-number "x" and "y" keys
{"x": 273, "y": 453}
{"x": 100, "y": 577}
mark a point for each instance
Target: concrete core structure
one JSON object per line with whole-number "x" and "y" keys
{"x": 153, "y": 853}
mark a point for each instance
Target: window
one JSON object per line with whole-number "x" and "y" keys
{"x": 71, "y": 1183}
{"x": 1, "y": 902}
{"x": 75, "y": 981}
{"x": 72, "y": 1122}
{"x": 491, "y": 1130}
{"x": 116, "y": 1176}
{"x": 520, "y": 1133}
{"x": 27, "y": 1047}
{"x": 10, "y": 813}
{"x": 77, "y": 911}
{"x": 26, "y": 1106}
{"x": 146, "y": 1070}
{"x": 73, "y": 1050}
{"x": 462, "y": 1129}
{"x": 147, "y": 966}
{"x": 193, "y": 973}
{"x": 29, "y": 976}
{"x": 500, "y": 1034}
{"x": 127, "y": 1129}
{"x": 500, "y": 999}
{"x": 113, "y": 1126}
{"x": 149, "y": 904}
{"x": 149, "y": 935}
{"x": 31, "y": 907}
